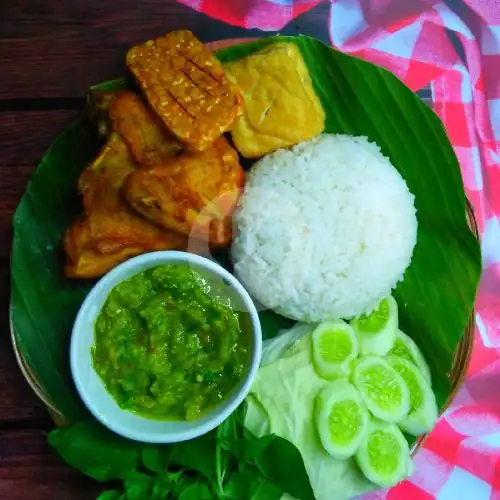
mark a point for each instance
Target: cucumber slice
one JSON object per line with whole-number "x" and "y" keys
{"x": 423, "y": 413}
{"x": 376, "y": 331}
{"x": 341, "y": 419}
{"x": 405, "y": 347}
{"x": 334, "y": 347}
{"x": 383, "y": 389}
{"x": 384, "y": 455}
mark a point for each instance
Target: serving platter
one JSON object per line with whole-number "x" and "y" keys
{"x": 459, "y": 347}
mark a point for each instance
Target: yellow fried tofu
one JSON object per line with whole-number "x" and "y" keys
{"x": 146, "y": 136}
{"x": 187, "y": 87}
{"x": 195, "y": 194}
{"x": 281, "y": 107}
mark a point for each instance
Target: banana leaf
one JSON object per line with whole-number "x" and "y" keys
{"x": 436, "y": 296}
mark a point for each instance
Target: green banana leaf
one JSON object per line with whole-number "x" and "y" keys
{"x": 436, "y": 297}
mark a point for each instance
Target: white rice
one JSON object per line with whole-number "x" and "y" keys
{"x": 324, "y": 230}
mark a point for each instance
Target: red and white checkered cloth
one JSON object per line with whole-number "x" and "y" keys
{"x": 412, "y": 38}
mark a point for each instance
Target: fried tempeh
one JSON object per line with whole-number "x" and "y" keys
{"x": 187, "y": 87}
{"x": 281, "y": 107}
{"x": 148, "y": 139}
{"x": 195, "y": 194}
{"x": 110, "y": 232}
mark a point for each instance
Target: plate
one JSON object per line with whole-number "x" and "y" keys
{"x": 461, "y": 354}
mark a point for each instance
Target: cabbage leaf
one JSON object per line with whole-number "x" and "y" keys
{"x": 282, "y": 402}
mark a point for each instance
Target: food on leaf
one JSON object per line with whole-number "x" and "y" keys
{"x": 384, "y": 455}
{"x": 97, "y": 110}
{"x": 405, "y": 347}
{"x": 333, "y": 232}
{"x": 109, "y": 232}
{"x": 334, "y": 347}
{"x": 146, "y": 136}
{"x": 423, "y": 413}
{"x": 195, "y": 194}
{"x": 324, "y": 230}
{"x": 187, "y": 87}
{"x": 166, "y": 347}
{"x": 341, "y": 419}
{"x": 281, "y": 107}
{"x": 376, "y": 331}
{"x": 384, "y": 391}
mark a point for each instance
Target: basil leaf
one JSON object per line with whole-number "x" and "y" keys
{"x": 282, "y": 463}
{"x": 196, "y": 491}
{"x": 155, "y": 458}
{"x": 197, "y": 455}
{"x": 250, "y": 485}
{"x": 138, "y": 486}
{"x": 95, "y": 451}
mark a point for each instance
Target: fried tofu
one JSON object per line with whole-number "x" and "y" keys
{"x": 146, "y": 136}
{"x": 281, "y": 107}
{"x": 195, "y": 194}
{"x": 109, "y": 232}
{"x": 186, "y": 86}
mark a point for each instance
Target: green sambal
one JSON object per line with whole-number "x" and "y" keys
{"x": 165, "y": 347}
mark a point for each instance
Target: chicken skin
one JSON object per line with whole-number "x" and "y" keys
{"x": 145, "y": 135}
{"x": 194, "y": 194}
{"x": 109, "y": 232}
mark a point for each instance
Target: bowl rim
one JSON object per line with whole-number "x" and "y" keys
{"x": 80, "y": 331}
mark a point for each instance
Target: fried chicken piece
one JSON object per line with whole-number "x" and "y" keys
{"x": 187, "y": 87}
{"x": 195, "y": 194}
{"x": 146, "y": 136}
{"x": 109, "y": 231}
{"x": 97, "y": 110}
{"x": 281, "y": 107}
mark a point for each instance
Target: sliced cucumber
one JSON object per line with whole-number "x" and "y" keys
{"x": 334, "y": 347}
{"x": 341, "y": 419}
{"x": 383, "y": 389}
{"x": 384, "y": 455}
{"x": 405, "y": 347}
{"x": 376, "y": 331}
{"x": 423, "y": 413}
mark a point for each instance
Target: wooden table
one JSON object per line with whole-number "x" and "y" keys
{"x": 50, "y": 52}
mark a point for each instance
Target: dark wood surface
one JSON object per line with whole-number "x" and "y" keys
{"x": 50, "y": 52}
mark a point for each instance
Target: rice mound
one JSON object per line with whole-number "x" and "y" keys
{"x": 324, "y": 230}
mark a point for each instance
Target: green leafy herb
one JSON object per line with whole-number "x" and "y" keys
{"x": 282, "y": 463}
{"x": 155, "y": 458}
{"x": 228, "y": 463}
{"x": 197, "y": 455}
{"x": 247, "y": 486}
{"x": 138, "y": 485}
{"x": 95, "y": 451}
{"x": 196, "y": 491}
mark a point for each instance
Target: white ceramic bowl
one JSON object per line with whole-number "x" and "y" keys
{"x": 90, "y": 386}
